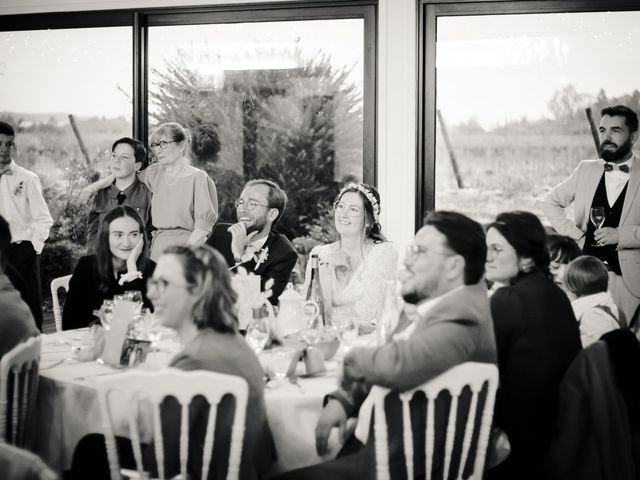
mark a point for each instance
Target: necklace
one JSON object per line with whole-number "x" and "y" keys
{"x": 166, "y": 176}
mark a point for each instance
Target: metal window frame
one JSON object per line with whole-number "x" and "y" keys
{"x": 141, "y": 19}
{"x": 428, "y": 13}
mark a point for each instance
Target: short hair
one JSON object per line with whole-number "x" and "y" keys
{"x": 586, "y": 275}
{"x": 103, "y": 251}
{"x": 465, "y": 237}
{"x": 139, "y": 152}
{"x": 206, "y": 271}
{"x": 6, "y": 129}
{"x": 562, "y": 249}
{"x": 525, "y": 233}
{"x": 374, "y": 230}
{"x": 630, "y": 117}
{"x": 5, "y": 239}
{"x": 176, "y": 132}
{"x": 277, "y": 197}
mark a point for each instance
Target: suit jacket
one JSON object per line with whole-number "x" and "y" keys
{"x": 279, "y": 264}
{"x": 579, "y": 189}
{"x": 537, "y": 337}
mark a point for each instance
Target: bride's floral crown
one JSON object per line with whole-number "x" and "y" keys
{"x": 367, "y": 193}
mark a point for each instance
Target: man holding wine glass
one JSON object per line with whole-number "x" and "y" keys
{"x": 606, "y": 223}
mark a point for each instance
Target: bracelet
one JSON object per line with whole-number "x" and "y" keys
{"x": 129, "y": 277}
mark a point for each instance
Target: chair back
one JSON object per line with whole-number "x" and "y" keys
{"x": 18, "y": 389}
{"x": 472, "y": 375}
{"x": 156, "y": 386}
{"x": 56, "y": 284}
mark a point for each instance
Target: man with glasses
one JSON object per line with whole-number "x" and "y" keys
{"x": 128, "y": 156}
{"x": 252, "y": 243}
{"x": 444, "y": 279}
{"x": 24, "y": 208}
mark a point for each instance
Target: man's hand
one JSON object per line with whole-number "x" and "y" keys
{"x": 333, "y": 415}
{"x": 239, "y": 238}
{"x": 606, "y": 236}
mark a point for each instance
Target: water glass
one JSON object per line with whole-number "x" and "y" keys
{"x": 280, "y": 359}
{"x": 257, "y": 334}
{"x": 346, "y": 326}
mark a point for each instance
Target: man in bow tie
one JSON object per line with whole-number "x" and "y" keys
{"x": 24, "y": 208}
{"x": 611, "y": 183}
{"x": 252, "y": 243}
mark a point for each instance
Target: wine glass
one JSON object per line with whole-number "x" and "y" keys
{"x": 346, "y": 327}
{"x": 257, "y": 333}
{"x": 597, "y": 218}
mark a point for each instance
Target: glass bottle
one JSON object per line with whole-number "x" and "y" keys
{"x": 314, "y": 293}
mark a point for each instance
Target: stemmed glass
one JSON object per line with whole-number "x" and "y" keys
{"x": 346, "y": 327}
{"x": 597, "y": 218}
{"x": 258, "y": 333}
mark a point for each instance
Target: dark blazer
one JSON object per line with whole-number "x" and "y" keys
{"x": 537, "y": 338}
{"x": 278, "y": 265}
{"x": 84, "y": 294}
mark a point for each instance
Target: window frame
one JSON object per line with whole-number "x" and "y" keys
{"x": 142, "y": 18}
{"x": 428, "y": 13}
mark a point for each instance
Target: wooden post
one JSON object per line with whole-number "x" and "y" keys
{"x": 452, "y": 155}
{"x": 83, "y": 149}
{"x": 594, "y": 131}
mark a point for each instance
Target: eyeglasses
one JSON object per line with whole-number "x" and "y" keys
{"x": 8, "y": 144}
{"x": 160, "y": 284}
{"x": 163, "y": 144}
{"x": 249, "y": 204}
{"x": 352, "y": 210}
{"x": 495, "y": 250}
{"x": 414, "y": 250}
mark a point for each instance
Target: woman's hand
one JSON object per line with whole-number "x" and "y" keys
{"x": 198, "y": 237}
{"x": 89, "y": 191}
{"x": 132, "y": 261}
{"x": 338, "y": 260}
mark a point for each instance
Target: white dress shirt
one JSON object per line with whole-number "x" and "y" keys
{"x": 615, "y": 180}
{"x": 23, "y": 207}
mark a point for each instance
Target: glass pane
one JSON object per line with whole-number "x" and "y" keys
{"x": 51, "y": 77}
{"x": 512, "y": 92}
{"x": 278, "y": 100}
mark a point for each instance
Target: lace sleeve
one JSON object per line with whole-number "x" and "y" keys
{"x": 367, "y": 291}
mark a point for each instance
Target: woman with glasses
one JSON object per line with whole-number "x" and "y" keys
{"x": 192, "y": 294}
{"x": 184, "y": 206}
{"x": 359, "y": 267}
{"x": 121, "y": 262}
{"x": 537, "y": 338}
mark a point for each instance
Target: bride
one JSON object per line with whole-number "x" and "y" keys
{"x": 357, "y": 269}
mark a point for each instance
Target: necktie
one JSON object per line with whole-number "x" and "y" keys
{"x": 121, "y": 197}
{"x": 610, "y": 166}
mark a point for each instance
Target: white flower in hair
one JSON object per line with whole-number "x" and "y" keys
{"x": 368, "y": 194}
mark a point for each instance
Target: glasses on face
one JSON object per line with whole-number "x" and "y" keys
{"x": 161, "y": 284}
{"x": 163, "y": 144}
{"x": 249, "y": 204}
{"x": 352, "y": 210}
{"x": 495, "y": 250}
{"x": 414, "y": 250}
{"x": 8, "y": 144}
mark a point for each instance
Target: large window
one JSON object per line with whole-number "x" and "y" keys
{"x": 509, "y": 116}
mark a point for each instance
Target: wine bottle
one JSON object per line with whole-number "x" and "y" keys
{"x": 314, "y": 292}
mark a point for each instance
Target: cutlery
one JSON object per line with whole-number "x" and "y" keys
{"x": 96, "y": 375}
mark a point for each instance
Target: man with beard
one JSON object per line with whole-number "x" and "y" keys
{"x": 444, "y": 280}
{"x": 24, "y": 208}
{"x": 611, "y": 183}
{"x": 252, "y": 243}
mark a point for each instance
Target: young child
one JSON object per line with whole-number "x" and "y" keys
{"x": 587, "y": 279}
{"x": 563, "y": 250}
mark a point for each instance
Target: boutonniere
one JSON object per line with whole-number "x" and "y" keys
{"x": 260, "y": 257}
{"x": 18, "y": 191}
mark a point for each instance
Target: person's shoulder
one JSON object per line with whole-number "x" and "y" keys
{"x": 282, "y": 242}
{"x": 86, "y": 262}
{"x": 469, "y": 303}
{"x": 384, "y": 248}
{"x": 324, "y": 249}
{"x": 24, "y": 172}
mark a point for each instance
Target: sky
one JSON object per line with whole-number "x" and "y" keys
{"x": 89, "y": 72}
{"x": 501, "y": 67}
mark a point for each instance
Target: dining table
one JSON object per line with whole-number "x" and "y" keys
{"x": 67, "y": 402}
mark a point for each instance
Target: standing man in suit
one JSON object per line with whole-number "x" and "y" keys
{"x": 612, "y": 183}
{"x": 444, "y": 279}
{"x": 252, "y": 243}
{"x": 24, "y": 208}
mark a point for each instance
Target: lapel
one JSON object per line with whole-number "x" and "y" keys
{"x": 593, "y": 179}
{"x": 251, "y": 264}
{"x": 632, "y": 189}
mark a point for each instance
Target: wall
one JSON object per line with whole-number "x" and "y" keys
{"x": 396, "y": 93}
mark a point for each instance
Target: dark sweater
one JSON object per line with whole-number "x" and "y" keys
{"x": 84, "y": 294}
{"x": 16, "y": 322}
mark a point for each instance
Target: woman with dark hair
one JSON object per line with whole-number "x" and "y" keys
{"x": 358, "y": 267}
{"x": 121, "y": 263}
{"x": 192, "y": 294}
{"x": 537, "y": 338}
{"x": 563, "y": 249}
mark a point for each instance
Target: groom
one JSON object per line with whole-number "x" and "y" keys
{"x": 252, "y": 243}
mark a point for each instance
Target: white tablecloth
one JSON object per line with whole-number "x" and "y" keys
{"x": 67, "y": 406}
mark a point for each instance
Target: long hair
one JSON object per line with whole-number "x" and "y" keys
{"x": 525, "y": 233}
{"x": 104, "y": 256}
{"x": 372, "y": 227}
{"x": 207, "y": 276}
